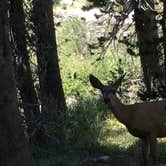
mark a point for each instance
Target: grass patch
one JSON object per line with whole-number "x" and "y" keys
{"x": 91, "y": 133}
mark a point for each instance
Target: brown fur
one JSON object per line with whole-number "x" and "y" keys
{"x": 145, "y": 120}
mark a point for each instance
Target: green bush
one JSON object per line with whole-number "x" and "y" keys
{"x": 84, "y": 123}
{"x": 77, "y": 62}
{"x": 72, "y": 37}
{"x": 75, "y": 72}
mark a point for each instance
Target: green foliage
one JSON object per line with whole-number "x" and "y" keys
{"x": 90, "y": 132}
{"x": 87, "y": 117}
{"x": 75, "y": 72}
{"x": 77, "y": 61}
{"x": 73, "y": 34}
{"x": 96, "y": 3}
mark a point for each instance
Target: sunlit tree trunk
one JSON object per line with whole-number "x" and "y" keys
{"x": 14, "y": 148}
{"x": 52, "y": 94}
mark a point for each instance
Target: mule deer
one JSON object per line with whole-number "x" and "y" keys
{"x": 145, "y": 120}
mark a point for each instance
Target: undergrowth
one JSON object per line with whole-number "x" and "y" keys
{"x": 91, "y": 133}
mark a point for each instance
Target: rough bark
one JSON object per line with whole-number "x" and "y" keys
{"x": 52, "y": 94}
{"x": 23, "y": 71}
{"x": 164, "y": 35}
{"x": 14, "y": 148}
{"x": 147, "y": 35}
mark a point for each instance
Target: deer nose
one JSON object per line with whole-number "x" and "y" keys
{"x": 106, "y": 100}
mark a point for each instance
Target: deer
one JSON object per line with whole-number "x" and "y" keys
{"x": 146, "y": 120}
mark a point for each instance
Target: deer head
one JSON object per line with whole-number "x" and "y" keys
{"x": 106, "y": 90}
{"x": 146, "y": 120}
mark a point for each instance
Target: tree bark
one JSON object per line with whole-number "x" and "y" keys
{"x": 164, "y": 35}
{"x": 23, "y": 71}
{"x": 14, "y": 148}
{"x": 147, "y": 35}
{"x": 52, "y": 94}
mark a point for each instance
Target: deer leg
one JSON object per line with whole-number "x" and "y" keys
{"x": 153, "y": 156}
{"x": 145, "y": 150}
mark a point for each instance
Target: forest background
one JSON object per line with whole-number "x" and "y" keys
{"x": 50, "y": 115}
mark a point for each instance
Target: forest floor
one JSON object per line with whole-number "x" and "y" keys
{"x": 100, "y": 142}
{"x": 108, "y": 155}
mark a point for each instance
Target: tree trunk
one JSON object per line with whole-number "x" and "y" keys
{"x": 52, "y": 95}
{"x": 147, "y": 35}
{"x": 23, "y": 71}
{"x": 14, "y": 148}
{"x": 164, "y": 36}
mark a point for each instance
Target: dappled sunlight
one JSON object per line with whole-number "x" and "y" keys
{"x": 94, "y": 138}
{"x": 115, "y": 133}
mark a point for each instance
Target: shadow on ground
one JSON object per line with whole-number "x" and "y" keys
{"x": 70, "y": 155}
{"x": 82, "y": 148}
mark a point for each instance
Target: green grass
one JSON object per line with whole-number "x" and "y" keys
{"x": 91, "y": 131}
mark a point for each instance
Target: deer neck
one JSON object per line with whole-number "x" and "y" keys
{"x": 118, "y": 109}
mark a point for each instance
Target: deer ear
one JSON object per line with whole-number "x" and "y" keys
{"x": 95, "y": 82}
{"x": 118, "y": 82}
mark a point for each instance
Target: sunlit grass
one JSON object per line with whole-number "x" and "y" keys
{"x": 91, "y": 132}
{"x": 115, "y": 133}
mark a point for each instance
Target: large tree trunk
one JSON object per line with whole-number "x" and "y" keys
{"x": 147, "y": 35}
{"x": 23, "y": 71}
{"x": 13, "y": 145}
{"x": 52, "y": 94}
